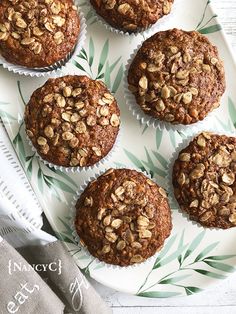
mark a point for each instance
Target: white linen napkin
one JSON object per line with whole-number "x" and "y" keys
{"x": 17, "y": 230}
{"x": 14, "y": 184}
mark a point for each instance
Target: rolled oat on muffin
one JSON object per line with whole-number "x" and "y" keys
{"x": 72, "y": 121}
{"x": 177, "y": 77}
{"x": 132, "y": 15}
{"x": 204, "y": 180}
{"x": 37, "y": 33}
{"x": 123, "y": 217}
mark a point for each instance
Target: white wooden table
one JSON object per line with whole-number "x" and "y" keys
{"x": 219, "y": 299}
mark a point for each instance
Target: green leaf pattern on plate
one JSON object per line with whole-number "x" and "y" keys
{"x": 111, "y": 74}
{"x": 187, "y": 262}
{"x": 203, "y": 26}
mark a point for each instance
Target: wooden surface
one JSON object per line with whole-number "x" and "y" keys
{"x": 219, "y": 299}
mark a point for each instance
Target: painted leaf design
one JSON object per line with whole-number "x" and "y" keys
{"x": 89, "y": 15}
{"x": 192, "y": 247}
{"x": 207, "y": 250}
{"x": 158, "y": 294}
{"x": 209, "y": 274}
{"x": 114, "y": 64}
{"x": 40, "y": 180}
{"x": 173, "y": 279}
{"x": 220, "y": 266}
{"x": 20, "y": 92}
{"x": 63, "y": 237}
{"x": 63, "y": 175}
{"x": 133, "y": 159}
{"x": 171, "y": 257}
{"x": 210, "y": 29}
{"x": 18, "y": 143}
{"x": 91, "y": 51}
{"x": 66, "y": 225}
{"x": 220, "y": 257}
{"x": 181, "y": 243}
{"x": 145, "y": 127}
{"x": 165, "y": 250}
{"x": 60, "y": 184}
{"x": 52, "y": 189}
{"x": 93, "y": 21}
{"x": 204, "y": 14}
{"x": 6, "y": 116}
{"x": 150, "y": 164}
{"x": 79, "y": 66}
{"x": 118, "y": 79}
{"x": 107, "y": 75}
{"x": 192, "y": 290}
{"x": 161, "y": 159}
{"x": 103, "y": 56}
{"x": 30, "y": 168}
{"x": 99, "y": 266}
{"x": 232, "y": 111}
{"x": 172, "y": 138}
{"x": 83, "y": 54}
{"x": 159, "y": 135}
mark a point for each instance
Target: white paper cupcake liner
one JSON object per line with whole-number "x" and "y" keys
{"x": 170, "y": 189}
{"x": 160, "y": 24}
{"x": 76, "y": 237}
{"x": 96, "y": 166}
{"x": 141, "y": 116}
{"x": 58, "y": 66}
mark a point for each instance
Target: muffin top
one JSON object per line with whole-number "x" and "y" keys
{"x": 72, "y": 121}
{"x": 177, "y": 76}
{"x": 37, "y": 33}
{"x": 123, "y": 217}
{"x": 204, "y": 180}
{"x": 132, "y": 15}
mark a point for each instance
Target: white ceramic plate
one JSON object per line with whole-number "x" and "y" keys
{"x": 193, "y": 258}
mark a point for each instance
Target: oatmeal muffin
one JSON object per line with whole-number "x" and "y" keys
{"x": 37, "y": 33}
{"x": 72, "y": 121}
{"x": 204, "y": 180}
{"x": 123, "y": 217}
{"x": 132, "y": 15}
{"x": 177, "y": 76}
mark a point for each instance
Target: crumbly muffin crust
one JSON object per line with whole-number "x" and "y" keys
{"x": 123, "y": 217}
{"x": 204, "y": 180}
{"x": 37, "y": 33}
{"x": 132, "y": 15}
{"x": 177, "y": 76}
{"x": 72, "y": 121}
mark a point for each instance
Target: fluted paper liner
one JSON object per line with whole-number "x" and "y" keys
{"x": 82, "y": 188}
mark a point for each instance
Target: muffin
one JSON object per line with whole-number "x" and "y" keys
{"x": 37, "y": 33}
{"x": 132, "y": 15}
{"x": 123, "y": 217}
{"x": 204, "y": 180}
{"x": 72, "y": 121}
{"x": 177, "y": 77}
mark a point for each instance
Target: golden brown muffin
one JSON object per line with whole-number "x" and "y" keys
{"x": 204, "y": 180}
{"x": 123, "y": 217}
{"x": 132, "y": 15}
{"x": 37, "y": 33}
{"x": 177, "y": 77}
{"x": 72, "y": 121}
